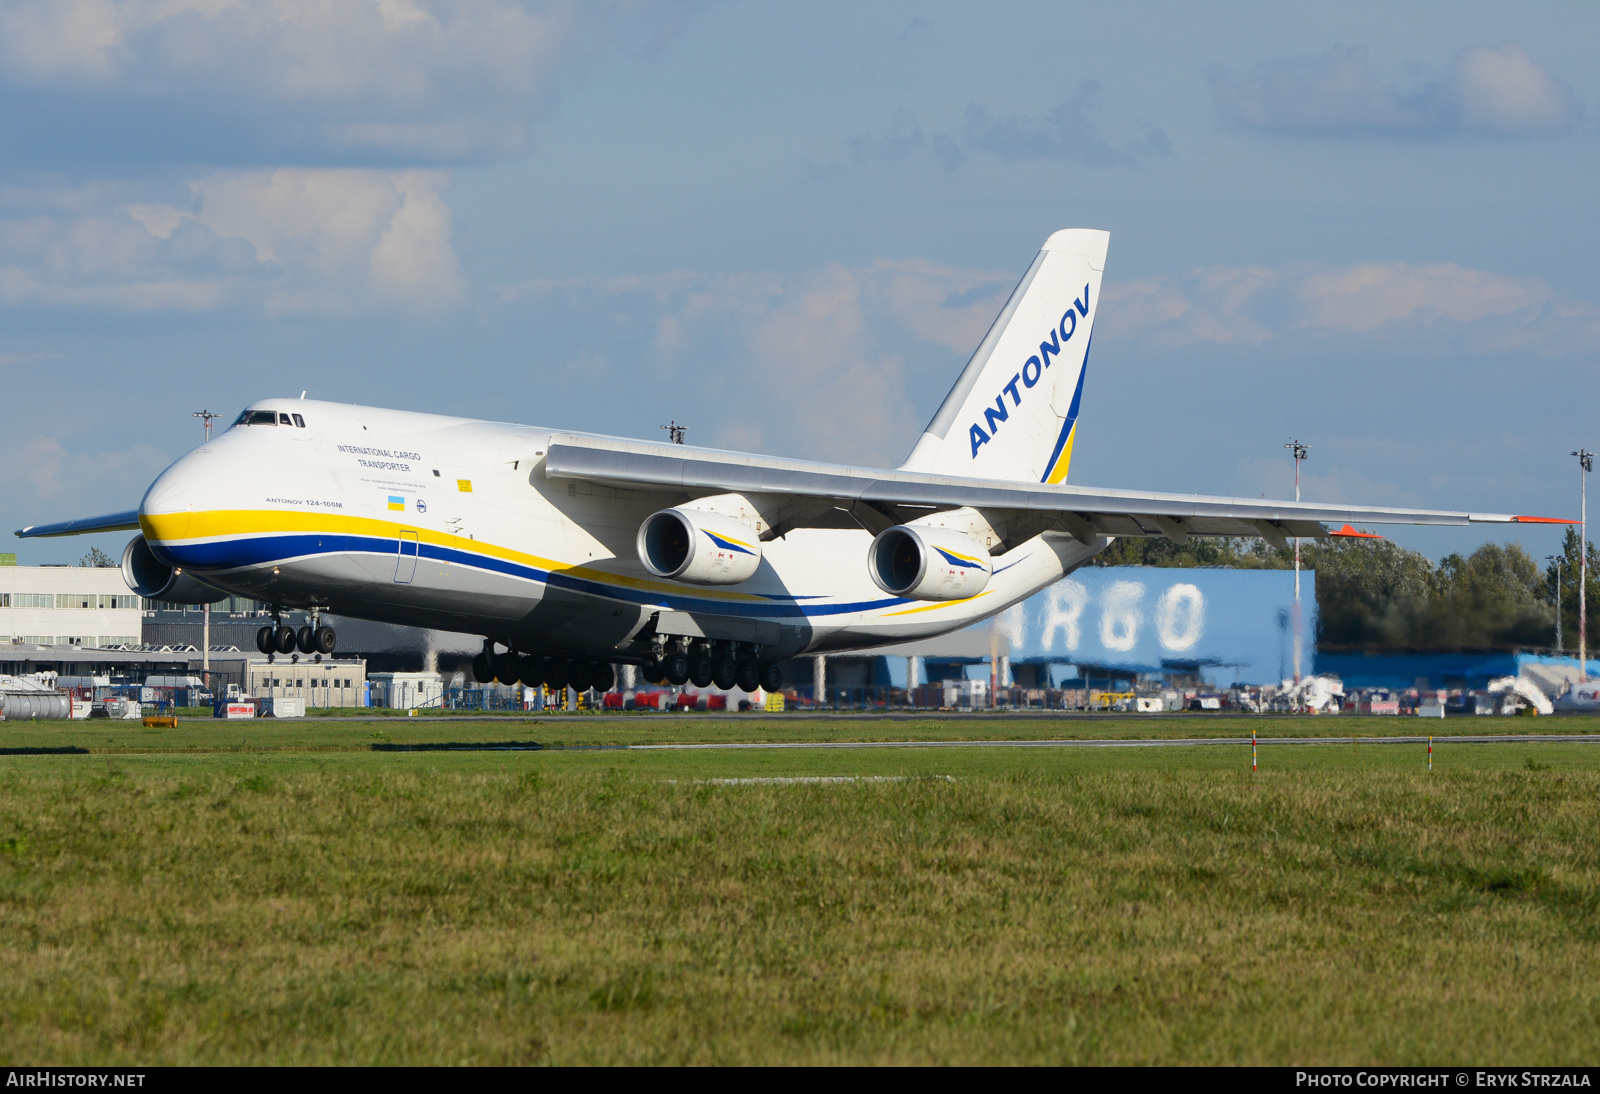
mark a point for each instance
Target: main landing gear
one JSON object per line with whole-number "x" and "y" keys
{"x": 703, "y": 664}
{"x": 556, "y": 673}
{"x": 281, "y": 638}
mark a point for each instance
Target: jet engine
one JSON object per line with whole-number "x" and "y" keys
{"x": 698, "y": 546}
{"x": 925, "y": 563}
{"x": 155, "y": 580}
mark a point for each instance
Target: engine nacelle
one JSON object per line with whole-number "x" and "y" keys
{"x": 697, "y": 546}
{"x": 925, "y": 563}
{"x": 155, "y": 580}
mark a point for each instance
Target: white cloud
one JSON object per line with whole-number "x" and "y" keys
{"x": 42, "y": 467}
{"x": 1437, "y": 306}
{"x": 1484, "y": 91}
{"x": 1065, "y": 131}
{"x": 1503, "y": 90}
{"x": 419, "y": 81}
{"x": 859, "y": 348}
{"x": 1072, "y": 130}
{"x": 845, "y": 362}
{"x": 290, "y": 240}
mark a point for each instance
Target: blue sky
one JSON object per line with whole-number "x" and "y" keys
{"x": 1368, "y": 226}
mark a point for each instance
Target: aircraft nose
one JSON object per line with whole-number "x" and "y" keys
{"x": 164, "y": 513}
{"x": 168, "y": 494}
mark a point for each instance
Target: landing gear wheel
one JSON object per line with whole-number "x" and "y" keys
{"x": 285, "y": 639}
{"x": 578, "y": 677}
{"x": 324, "y": 640}
{"x": 676, "y": 668}
{"x": 531, "y": 671}
{"x": 701, "y": 670}
{"x": 305, "y": 640}
{"x": 266, "y": 640}
{"x": 771, "y": 678}
{"x": 506, "y": 668}
{"x": 651, "y": 672}
{"x": 482, "y": 668}
{"x": 724, "y": 673}
{"x": 555, "y": 674}
{"x": 748, "y": 675}
{"x": 602, "y": 676}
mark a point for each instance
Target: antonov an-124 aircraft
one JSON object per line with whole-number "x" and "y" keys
{"x": 573, "y": 553}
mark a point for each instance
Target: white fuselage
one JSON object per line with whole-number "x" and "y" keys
{"x": 452, "y": 523}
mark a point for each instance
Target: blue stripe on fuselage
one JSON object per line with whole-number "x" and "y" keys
{"x": 266, "y": 550}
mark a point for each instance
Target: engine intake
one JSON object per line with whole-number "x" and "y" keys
{"x": 699, "y": 547}
{"x": 928, "y": 563}
{"x": 155, "y": 580}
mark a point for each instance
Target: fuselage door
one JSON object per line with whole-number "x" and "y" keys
{"x": 405, "y": 567}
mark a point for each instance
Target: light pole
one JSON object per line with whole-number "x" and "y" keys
{"x": 1557, "y": 559}
{"x": 207, "y": 415}
{"x": 1586, "y": 464}
{"x": 1300, "y": 452}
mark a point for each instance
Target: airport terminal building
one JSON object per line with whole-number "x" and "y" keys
{"x": 68, "y": 606}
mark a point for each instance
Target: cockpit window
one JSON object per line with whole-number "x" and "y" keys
{"x": 284, "y": 419}
{"x": 258, "y": 417}
{"x": 299, "y": 421}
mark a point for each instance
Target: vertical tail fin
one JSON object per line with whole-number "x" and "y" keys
{"x": 1013, "y": 413}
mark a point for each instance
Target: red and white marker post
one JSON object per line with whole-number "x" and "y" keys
{"x": 1430, "y": 752}
{"x": 1252, "y": 750}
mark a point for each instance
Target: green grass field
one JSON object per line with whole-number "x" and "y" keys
{"x": 345, "y": 733}
{"x": 304, "y": 900}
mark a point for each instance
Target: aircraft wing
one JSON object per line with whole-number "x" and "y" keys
{"x": 111, "y": 522}
{"x": 903, "y": 495}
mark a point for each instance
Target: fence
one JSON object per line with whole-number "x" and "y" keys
{"x": 938, "y": 697}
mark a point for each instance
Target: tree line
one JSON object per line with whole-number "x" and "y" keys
{"x": 1374, "y": 594}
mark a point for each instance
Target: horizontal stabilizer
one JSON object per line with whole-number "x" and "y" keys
{"x": 111, "y": 522}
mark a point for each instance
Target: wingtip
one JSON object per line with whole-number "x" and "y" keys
{"x": 1347, "y": 532}
{"x": 1545, "y": 520}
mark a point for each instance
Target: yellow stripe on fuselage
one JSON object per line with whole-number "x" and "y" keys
{"x": 223, "y": 524}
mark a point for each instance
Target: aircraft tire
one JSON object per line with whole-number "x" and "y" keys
{"x": 675, "y": 666}
{"x": 578, "y": 677}
{"x": 602, "y": 676}
{"x": 284, "y": 636}
{"x": 771, "y": 678}
{"x": 305, "y": 640}
{"x": 266, "y": 640}
{"x": 725, "y": 673}
{"x": 482, "y": 669}
{"x": 506, "y": 668}
{"x": 531, "y": 671}
{"x": 651, "y": 672}
{"x": 325, "y": 640}
{"x": 748, "y": 674}
{"x": 555, "y": 674}
{"x": 702, "y": 670}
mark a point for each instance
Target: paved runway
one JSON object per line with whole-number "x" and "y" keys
{"x": 1482, "y": 738}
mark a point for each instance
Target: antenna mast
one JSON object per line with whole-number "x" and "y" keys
{"x": 208, "y": 415}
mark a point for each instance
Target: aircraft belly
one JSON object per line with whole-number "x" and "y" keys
{"x": 363, "y": 585}
{"x": 577, "y": 621}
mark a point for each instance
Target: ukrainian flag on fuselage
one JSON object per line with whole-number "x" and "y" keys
{"x": 397, "y": 503}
